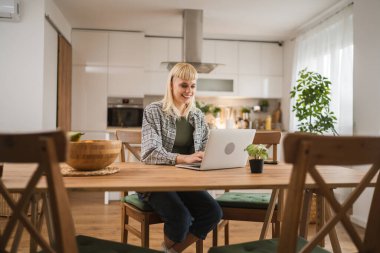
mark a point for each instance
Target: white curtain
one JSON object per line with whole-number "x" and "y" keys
{"x": 328, "y": 50}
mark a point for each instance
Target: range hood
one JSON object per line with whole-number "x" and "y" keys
{"x": 192, "y": 42}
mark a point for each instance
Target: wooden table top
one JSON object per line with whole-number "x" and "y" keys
{"x": 141, "y": 177}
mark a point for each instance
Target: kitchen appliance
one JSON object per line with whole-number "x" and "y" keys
{"x": 192, "y": 42}
{"x": 124, "y": 112}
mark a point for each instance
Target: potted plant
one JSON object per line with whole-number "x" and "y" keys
{"x": 264, "y": 104}
{"x": 312, "y": 103}
{"x": 258, "y": 153}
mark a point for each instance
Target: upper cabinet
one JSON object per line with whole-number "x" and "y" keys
{"x": 260, "y": 70}
{"x": 175, "y": 49}
{"x": 271, "y": 59}
{"x": 226, "y": 53}
{"x": 156, "y": 51}
{"x": 125, "y": 49}
{"x": 250, "y": 58}
{"x": 90, "y": 48}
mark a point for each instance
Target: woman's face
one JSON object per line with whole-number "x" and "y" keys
{"x": 183, "y": 91}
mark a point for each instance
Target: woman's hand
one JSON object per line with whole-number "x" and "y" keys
{"x": 193, "y": 158}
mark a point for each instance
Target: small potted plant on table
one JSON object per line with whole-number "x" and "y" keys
{"x": 257, "y": 153}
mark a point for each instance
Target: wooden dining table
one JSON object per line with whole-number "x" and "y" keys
{"x": 141, "y": 177}
{"x": 135, "y": 176}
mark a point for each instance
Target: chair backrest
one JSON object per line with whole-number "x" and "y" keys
{"x": 269, "y": 138}
{"x": 46, "y": 150}
{"x": 307, "y": 151}
{"x": 129, "y": 139}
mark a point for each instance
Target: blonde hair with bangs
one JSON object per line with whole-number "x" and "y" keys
{"x": 184, "y": 71}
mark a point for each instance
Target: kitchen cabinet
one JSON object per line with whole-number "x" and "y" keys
{"x": 125, "y": 82}
{"x": 126, "y": 49}
{"x": 259, "y": 86}
{"x": 175, "y": 50}
{"x": 208, "y": 51}
{"x": 226, "y": 53}
{"x": 89, "y": 98}
{"x": 156, "y": 51}
{"x": 249, "y": 58}
{"x": 90, "y": 48}
{"x": 217, "y": 85}
{"x": 222, "y": 52}
{"x": 155, "y": 83}
{"x": 271, "y": 59}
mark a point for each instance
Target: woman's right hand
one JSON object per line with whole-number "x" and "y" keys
{"x": 193, "y": 158}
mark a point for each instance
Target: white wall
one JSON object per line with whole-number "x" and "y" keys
{"x": 288, "y": 70}
{"x": 28, "y": 98}
{"x": 58, "y": 19}
{"x": 49, "y": 105}
{"x": 366, "y": 82}
{"x": 21, "y": 69}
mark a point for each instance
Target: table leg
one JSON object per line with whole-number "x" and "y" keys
{"x": 305, "y": 215}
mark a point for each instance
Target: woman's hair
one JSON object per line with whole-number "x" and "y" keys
{"x": 184, "y": 71}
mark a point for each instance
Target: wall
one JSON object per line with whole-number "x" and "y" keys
{"x": 58, "y": 19}
{"x": 25, "y": 105}
{"x": 366, "y": 82}
{"x": 288, "y": 70}
{"x": 21, "y": 69}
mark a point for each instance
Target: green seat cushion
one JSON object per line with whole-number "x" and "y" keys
{"x": 134, "y": 200}
{"x": 244, "y": 200}
{"x": 88, "y": 244}
{"x": 263, "y": 246}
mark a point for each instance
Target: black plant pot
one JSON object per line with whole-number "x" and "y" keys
{"x": 256, "y": 165}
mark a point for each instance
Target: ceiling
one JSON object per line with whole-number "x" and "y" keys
{"x": 272, "y": 20}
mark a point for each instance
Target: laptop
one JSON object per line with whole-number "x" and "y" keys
{"x": 224, "y": 150}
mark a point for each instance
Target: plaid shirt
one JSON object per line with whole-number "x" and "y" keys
{"x": 159, "y": 131}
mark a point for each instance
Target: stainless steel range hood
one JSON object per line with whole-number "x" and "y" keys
{"x": 192, "y": 42}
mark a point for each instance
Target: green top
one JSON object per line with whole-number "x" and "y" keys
{"x": 184, "y": 141}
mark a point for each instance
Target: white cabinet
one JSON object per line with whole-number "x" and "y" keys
{"x": 259, "y": 86}
{"x": 208, "y": 51}
{"x": 155, "y": 83}
{"x": 250, "y": 86}
{"x": 217, "y": 85}
{"x": 175, "y": 50}
{"x": 156, "y": 51}
{"x": 89, "y": 98}
{"x": 271, "y": 59}
{"x": 126, "y": 49}
{"x": 250, "y": 58}
{"x": 90, "y": 48}
{"x": 226, "y": 52}
{"x": 125, "y": 82}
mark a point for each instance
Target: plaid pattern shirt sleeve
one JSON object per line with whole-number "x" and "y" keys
{"x": 159, "y": 131}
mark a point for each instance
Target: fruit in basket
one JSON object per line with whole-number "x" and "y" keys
{"x": 74, "y": 136}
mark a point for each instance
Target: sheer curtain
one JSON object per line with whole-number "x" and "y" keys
{"x": 328, "y": 50}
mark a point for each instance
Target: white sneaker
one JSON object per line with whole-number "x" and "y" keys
{"x": 166, "y": 250}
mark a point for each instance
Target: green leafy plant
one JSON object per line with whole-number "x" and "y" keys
{"x": 216, "y": 110}
{"x": 264, "y": 102}
{"x": 257, "y": 151}
{"x": 205, "y": 108}
{"x": 312, "y": 103}
{"x": 245, "y": 110}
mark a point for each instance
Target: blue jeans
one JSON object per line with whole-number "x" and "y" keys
{"x": 186, "y": 212}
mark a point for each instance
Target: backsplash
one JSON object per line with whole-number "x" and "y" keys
{"x": 231, "y": 111}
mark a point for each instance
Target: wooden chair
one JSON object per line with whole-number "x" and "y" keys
{"x": 305, "y": 153}
{"x": 251, "y": 206}
{"x": 132, "y": 206}
{"x": 46, "y": 150}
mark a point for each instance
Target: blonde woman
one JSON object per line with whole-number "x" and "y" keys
{"x": 174, "y": 131}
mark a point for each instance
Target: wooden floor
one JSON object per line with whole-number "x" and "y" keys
{"x": 93, "y": 218}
